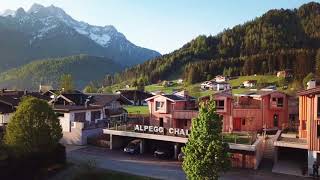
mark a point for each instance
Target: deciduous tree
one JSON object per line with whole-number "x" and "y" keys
{"x": 34, "y": 127}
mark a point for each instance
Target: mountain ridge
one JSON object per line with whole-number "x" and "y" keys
{"x": 279, "y": 39}
{"x": 51, "y": 27}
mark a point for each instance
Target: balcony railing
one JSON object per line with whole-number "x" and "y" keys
{"x": 185, "y": 114}
{"x": 129, "y": 127}
{"x": 237, "y": 105}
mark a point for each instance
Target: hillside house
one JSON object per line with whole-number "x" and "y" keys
{"x": 285, "y": 73}
{"x": 220, "y": 79}
{"x": 249, "y": 83}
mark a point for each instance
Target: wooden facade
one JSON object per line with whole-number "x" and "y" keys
{"x": 309, "y": 120}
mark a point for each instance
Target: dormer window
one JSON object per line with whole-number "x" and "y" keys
{"x": 159, "y": 105}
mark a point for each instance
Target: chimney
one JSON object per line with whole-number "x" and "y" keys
{"x": 311, "y": 84}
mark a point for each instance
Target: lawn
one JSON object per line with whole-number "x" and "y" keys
{"x": 272, "y": 79}
{"x": 106, "y": 175}
{"x": 137, "y": 109}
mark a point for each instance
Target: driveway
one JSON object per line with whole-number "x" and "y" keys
{"x": 147, "y": 165}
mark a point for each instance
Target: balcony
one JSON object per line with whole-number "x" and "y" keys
{"x": 185, "y": 114}
{"x": 238, "y": 105}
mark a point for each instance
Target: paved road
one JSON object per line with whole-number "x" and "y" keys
{"x": 146, "y": 165}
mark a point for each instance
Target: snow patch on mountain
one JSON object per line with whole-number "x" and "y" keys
{"x": 7, "y": 12}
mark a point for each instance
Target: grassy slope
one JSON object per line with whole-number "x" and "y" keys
{"x": 272, "y": 79}
{"x": 137, "y": 109}
{"x": 194, "y": 89}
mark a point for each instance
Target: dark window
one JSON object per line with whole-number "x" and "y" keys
{"x": 220, "y": 104}
{"x": 159, "y": 105}
{"x": 318, "y": 108}
{"x": 161, "y": 122}
{"x": 185, "y": 122}
{"x": 95, "y": 115}
{"x": 280, "y": 102}
{"x": 274, "y": 99}
{"x": 80, "y": 117}
{"x": 318, "y": 130}
{"x": 60, "y": 114}
{"x": 243, "y": 122}
{"x": 304, "y": 125}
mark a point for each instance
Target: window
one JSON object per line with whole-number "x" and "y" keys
{"x": 95, "y": 115}
{"x": 280, "y": 102}
{"x": 161, "y": 122}
{"x": 274, "y": 99}
{"x": 60, "y": 114}
{"x": 243, "y": 122}
{"x": 80, "y": 117}
{"x": 318, "y": 130}
{"x": 220, "y": 104}
{"x": 185, "y": 122}
{"x": 318, "y": 106}
{"x": 304, "y": 125}
{"x": 159, "y": 105}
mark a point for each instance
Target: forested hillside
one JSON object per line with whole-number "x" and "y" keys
{"x": 82, "y": 68}
{"x": 279, "y": 39}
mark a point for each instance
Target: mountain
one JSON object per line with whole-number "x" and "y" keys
{"x": 46, "y": 32}
{"x": 83, "y": 69}
{"x": 279, "y": 39}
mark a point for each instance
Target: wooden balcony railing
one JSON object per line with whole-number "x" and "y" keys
{"x": 238, "y": 105}
{"x": 185, "y": 114}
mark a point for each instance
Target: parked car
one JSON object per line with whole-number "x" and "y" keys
{"x": 181, "y": 156}
{"x": 133, "y": 147}
{"x": 162, "y": 153}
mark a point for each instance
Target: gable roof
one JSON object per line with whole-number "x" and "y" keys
{"x": 13, "y": 98}
{"x": 173, "y": 97}
{"x": 105, "y": 99}
{"x": 258, "y": 93}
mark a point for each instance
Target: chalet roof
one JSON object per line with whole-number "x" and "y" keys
{"x": 174, "y": 97}
{"x": 11, "y": 99}
{"x": 258, "y": 93}
{"x": 131, "y": 94}
{"x": 68, "y": 108}
{"x": 312, "y": 91}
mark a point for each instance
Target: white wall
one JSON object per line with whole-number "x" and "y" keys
{"x": 4, "y": 118}
{"x": 312, "y": 156}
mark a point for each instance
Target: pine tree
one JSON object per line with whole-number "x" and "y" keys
{"x": 205, "y": 154}
{"x": 66, "y": 83}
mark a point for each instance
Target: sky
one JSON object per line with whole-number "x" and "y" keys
{"x": 162, "y": 25}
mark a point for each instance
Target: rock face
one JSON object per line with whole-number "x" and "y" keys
{"x": 43, "y": 32}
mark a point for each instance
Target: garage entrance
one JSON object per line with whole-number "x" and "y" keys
{"x": 291, "y": 161}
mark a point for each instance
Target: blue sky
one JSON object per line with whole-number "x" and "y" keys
{"x": 162, "y": 25}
